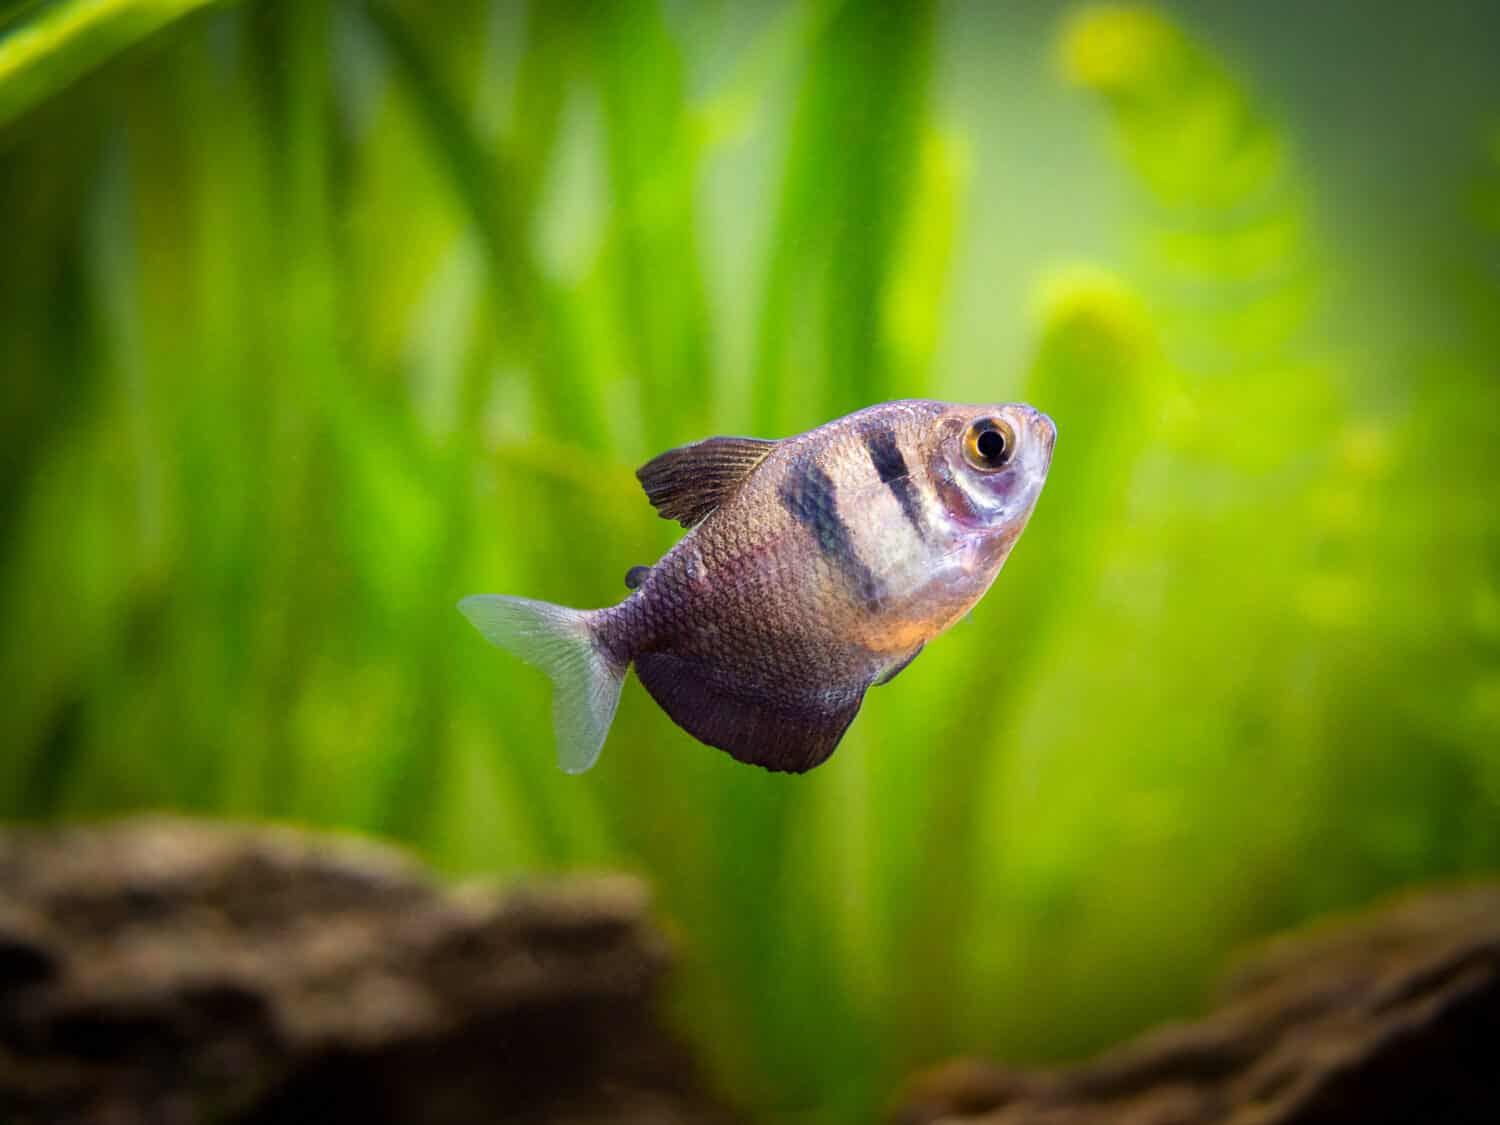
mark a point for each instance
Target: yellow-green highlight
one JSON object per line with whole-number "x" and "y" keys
{"x": 319, "y": 316}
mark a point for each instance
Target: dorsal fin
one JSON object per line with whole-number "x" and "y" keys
{"x": 688, "y": 482}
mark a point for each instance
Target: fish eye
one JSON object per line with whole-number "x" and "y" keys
{"x": 989, "y": 444}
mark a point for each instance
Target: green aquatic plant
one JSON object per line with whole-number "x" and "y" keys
{"x": 45, "y": 46}
{"x": 1263, "y": 461}
{"x": 1228, "y": 264}
{"x": 1095, "y": 365}
{"x": 319, "y": 316}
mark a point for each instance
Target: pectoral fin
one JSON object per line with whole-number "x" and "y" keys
{"x": 687, "y": 483}
{"x": 899, "y": 668}
{"x": 789, "y": 728}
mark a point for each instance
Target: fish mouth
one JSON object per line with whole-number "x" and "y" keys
{"x": 1044, "y": 429}
{"x": 1049, "y": 430}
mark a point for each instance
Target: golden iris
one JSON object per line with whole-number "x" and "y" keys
{"x": 989, "y": 444}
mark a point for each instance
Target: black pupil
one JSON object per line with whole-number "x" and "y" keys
{"x": 991, "y": 445}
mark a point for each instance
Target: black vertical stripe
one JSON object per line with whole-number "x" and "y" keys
{"x": 885, "y": 455}
{"x": 809, "y": 495}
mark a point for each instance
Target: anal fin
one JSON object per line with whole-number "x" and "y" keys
{"x": 786, "y": 730}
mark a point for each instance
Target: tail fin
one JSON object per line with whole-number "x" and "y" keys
{"x": 558, "y": 640}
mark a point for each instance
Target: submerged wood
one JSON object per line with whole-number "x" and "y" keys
{"x": 171, "y": 971}
{"x": 1389, "y": 1018}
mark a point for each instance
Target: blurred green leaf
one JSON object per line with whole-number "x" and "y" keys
{"x": 819, "y": 348}
{"x": 319, "y": 316}
{"x": 45, "y": 47}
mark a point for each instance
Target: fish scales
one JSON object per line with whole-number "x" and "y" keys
{"x": 801, "y": 549}
{"x": 815, "y": 567}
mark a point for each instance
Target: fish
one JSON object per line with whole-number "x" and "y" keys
{"x": 814, "y": 567}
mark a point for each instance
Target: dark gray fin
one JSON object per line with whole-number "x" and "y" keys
{"x": 899, "y": 668}
{"x": 635, "y": 576}
{"x": 786, "y": 734}
{"x": 686, "y": 483}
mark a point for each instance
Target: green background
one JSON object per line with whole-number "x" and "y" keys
{"x": 315, "y": 317}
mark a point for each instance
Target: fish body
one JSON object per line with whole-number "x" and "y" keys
{"x": 815, "y": 567}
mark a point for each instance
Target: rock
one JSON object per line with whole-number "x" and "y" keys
{"x": 171, "y": 971}
{"x": 1386, "y": 1019}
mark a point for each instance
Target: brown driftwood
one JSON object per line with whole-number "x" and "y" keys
{"x": 1386, "y": 1019}
{"x": 169, "y": 971}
